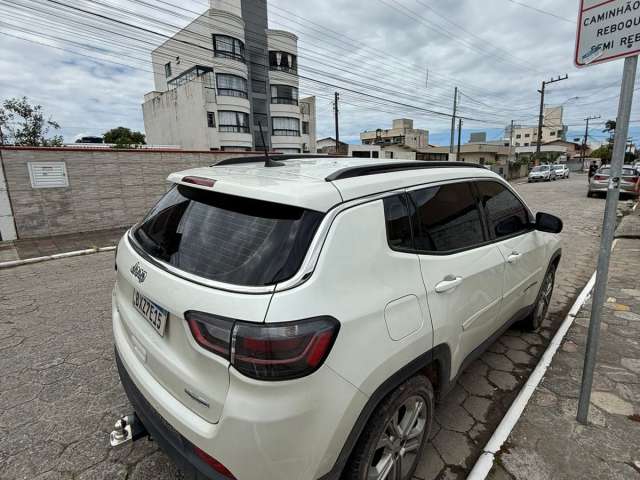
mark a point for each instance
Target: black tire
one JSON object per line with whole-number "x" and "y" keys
{"x": 541, "y": 306}
{"x": 369, "y": 453}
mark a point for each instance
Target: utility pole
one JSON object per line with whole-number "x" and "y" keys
{"x": 586, "y": 136}
{"x": 608, "y": 231}
{"x": 335, "y": 109}
{"x": 459, "y": 139}
{"x": 510, "y": 151}
{"x": 541, "y": 117}
{"x": 453, "y": 119}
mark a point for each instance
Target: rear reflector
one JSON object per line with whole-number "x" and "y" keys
{"x": 204, "y": 182}
{"x": 213, "y": 463}
{"x": 271, "y": 351}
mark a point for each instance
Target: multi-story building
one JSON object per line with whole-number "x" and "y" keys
{"x": 527, "y": 135}
{"x": 401, "y": 135}
{"x": 222, "y": 77}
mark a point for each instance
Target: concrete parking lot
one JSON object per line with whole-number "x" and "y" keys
{"x": 60, "y": 394}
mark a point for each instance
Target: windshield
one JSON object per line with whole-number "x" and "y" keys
{"x": 227, "y": 238}
{"x": 540, "y": 168}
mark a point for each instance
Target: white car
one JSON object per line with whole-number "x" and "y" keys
{"x": 562, "y": 171}
{"x": 299, "y": 322}
{"x": 542, "y": 173}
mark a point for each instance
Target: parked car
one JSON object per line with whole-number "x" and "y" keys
{"x": 561, "y": 170}
{"x": 629, "y": 183}
{"x": 300, "y": 321}
{"x": 542, "y": 173}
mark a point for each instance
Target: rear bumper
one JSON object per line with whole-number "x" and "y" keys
{"x": 178, "y": 448}
{"x": 268, "y": 430}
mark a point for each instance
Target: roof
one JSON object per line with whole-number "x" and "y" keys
{"x": 320, "y": 183}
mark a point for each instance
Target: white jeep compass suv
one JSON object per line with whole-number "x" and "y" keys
{"x": 298, "y": 320}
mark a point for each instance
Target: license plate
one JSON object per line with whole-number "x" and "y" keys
{"x": 155, "y": 315}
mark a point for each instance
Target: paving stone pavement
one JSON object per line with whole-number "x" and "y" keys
{"x": 548, "y": 443}
{"x": 60, "y": 394}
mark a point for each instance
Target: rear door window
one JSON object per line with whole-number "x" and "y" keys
{"x": 445, "y": 218}
{"x": 398, "y": 223}
{"x": 226, "y": 238}
{"x": 506, "y": 215}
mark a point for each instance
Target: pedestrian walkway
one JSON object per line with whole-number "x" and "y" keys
{"x": 45, "y": 246}
{"x": 548, "y": 443}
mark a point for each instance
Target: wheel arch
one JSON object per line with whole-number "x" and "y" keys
{"x": 434, "y": 364}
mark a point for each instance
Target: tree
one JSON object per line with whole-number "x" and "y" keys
{"x": 610, "y": 128}
{"x": 124, "y": 137}
{"x": 24, "y": 124}
{"x": 603, "y": 153}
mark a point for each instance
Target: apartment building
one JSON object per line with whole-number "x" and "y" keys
{"x": 527, "y": 135}
{"x": 223, "y": 78}
{"x": 401, "y": 135}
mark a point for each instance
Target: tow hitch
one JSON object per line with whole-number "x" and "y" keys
{"x": 128, "y": 429}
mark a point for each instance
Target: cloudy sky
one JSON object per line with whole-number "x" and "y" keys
{"x": 387, "y": 58}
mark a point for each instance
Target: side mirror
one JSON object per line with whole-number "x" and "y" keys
{"x": 545, "y": 222}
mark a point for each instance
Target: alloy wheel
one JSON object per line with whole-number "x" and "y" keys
{"x": 545, "y": 298}
{"x": 397, "y": 449}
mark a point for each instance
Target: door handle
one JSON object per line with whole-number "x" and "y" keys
{"x": 514, "y": 257}
{"x": 448, "y": 283}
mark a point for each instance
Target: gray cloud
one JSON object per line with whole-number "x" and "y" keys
{"x": 392, "y": 51}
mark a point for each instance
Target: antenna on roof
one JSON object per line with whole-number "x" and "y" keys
{"x": 267, "y": 161}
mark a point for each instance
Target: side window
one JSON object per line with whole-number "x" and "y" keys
{"x": 506, "y": 215}
{"x": 445, "y": 218}
{"x": 397, "y": 222}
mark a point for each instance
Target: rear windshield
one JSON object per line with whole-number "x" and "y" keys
{"x": 540, "y": 168}
{"x": 558, "y": 167}
{"x": 627, "y": 172}
{"x": 227, "y": 238}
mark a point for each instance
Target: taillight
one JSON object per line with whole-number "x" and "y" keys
{"x": 600, "y": 177}
{"x": 211, "y": 332}
{"x": 267, "y": 351}
{"x": 213, "y": 463}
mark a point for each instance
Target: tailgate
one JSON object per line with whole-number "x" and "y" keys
{"x": 175, "y": 360}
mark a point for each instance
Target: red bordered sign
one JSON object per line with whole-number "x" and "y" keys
{"x": 607, "y": 30}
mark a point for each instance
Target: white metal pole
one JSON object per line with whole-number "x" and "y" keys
{"x": 608, "y": 230}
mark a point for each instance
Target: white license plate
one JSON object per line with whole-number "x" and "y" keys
{"x": 155, "y": 315}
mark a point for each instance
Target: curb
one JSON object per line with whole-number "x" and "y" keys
{"x": 485, "y": 462}
{"x": 57, "y": 256}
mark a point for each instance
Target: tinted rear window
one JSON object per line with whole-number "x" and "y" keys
{"x": 226, "y": 238}
{"x": 445, "y": 218}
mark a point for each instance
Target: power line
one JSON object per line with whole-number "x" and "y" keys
{"x": 544, "y": 12}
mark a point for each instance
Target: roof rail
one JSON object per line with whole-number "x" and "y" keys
{"x": 361, "y": 171}
{"x": 261, "y": 158}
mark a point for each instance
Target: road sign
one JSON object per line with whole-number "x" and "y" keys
{"x": 607, "y": 30}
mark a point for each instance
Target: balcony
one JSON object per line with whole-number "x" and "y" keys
{"x": 284, "y": 101}
{"x": 281, "y": 132}
{"x": 232, "y": 92}
{"x": 234, "y": 129}
{"x": 281, "y": 68}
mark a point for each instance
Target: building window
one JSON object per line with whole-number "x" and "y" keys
{"x": 285, "y": 127}
{"x": 197, "y": 72}
{"x": 211, "y": 119}
{"x": 233, "y": 148}
{"x": 481, "y": 160}
{"x": 526, "y": 144}
{"x": 231, "y": 85}
{"x": 526, "y": 135}
{"x": 283, "y": 61}
{"x": 518, "y": 136}
{"x": 560, "y": 133}
{"x": 284, "y": 94}
{"x": 305, "y": 128}
{"x": 375, "y": 154}
{"x": 553, "y": 134}
{"x": 225, "y": 46}
{"x": 167, "y": 70}
{"x": 229, "y": 121}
